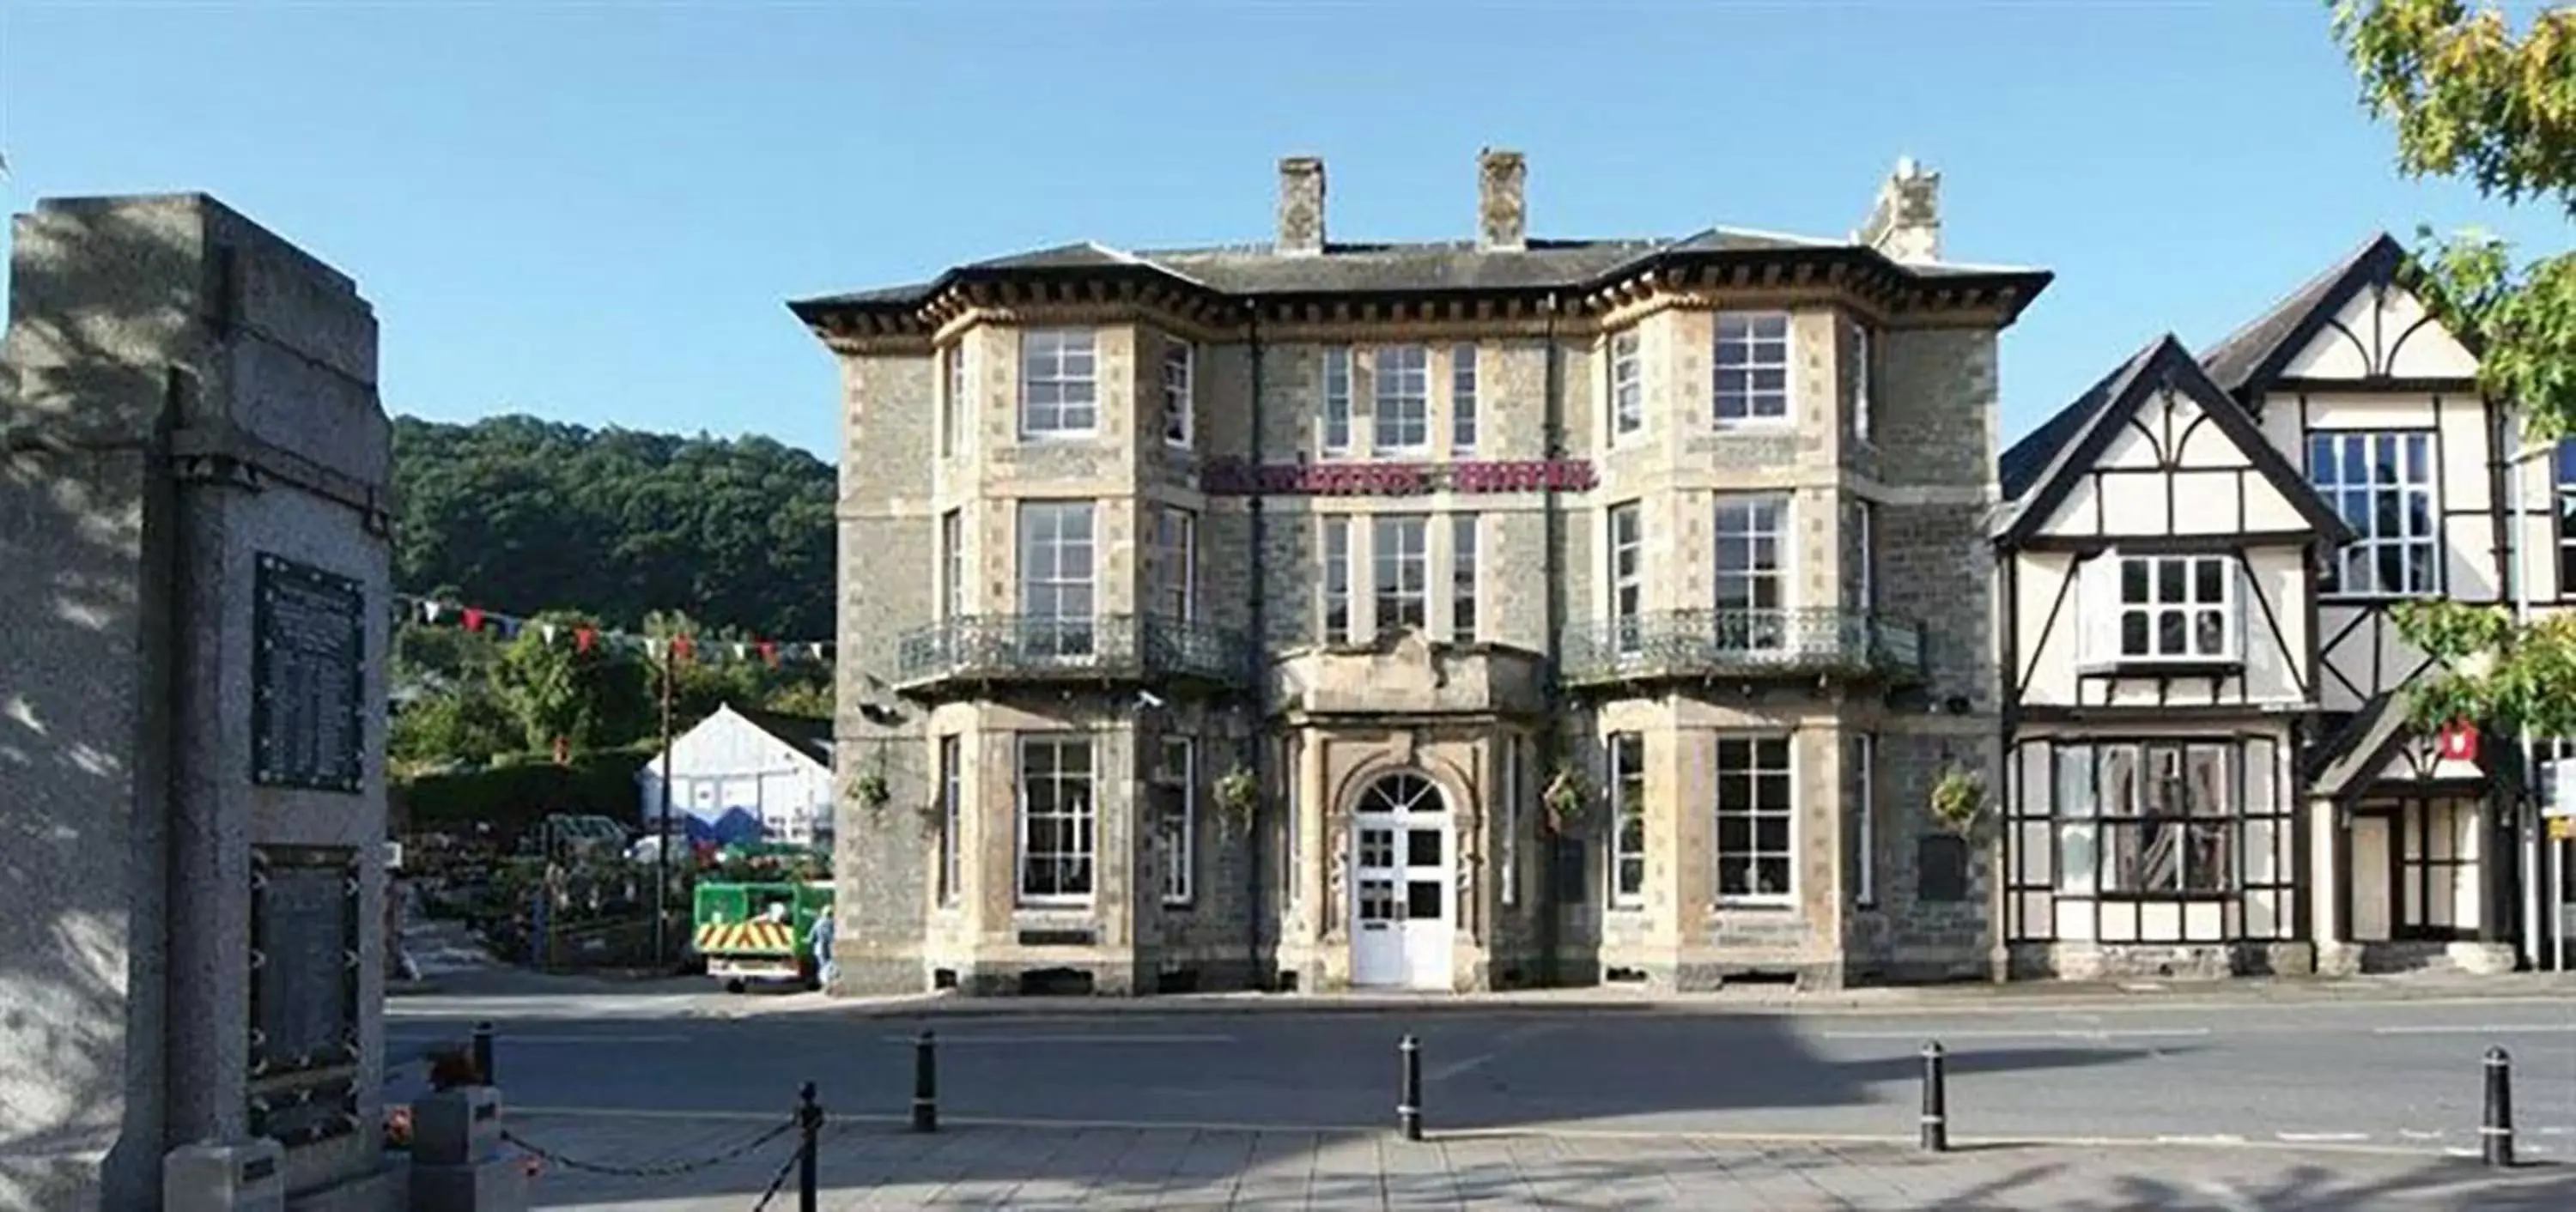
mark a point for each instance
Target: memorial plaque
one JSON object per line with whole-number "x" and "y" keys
{"x": 1941, "y": 868}
{"x": 308, "y": 678}
{"x": 304, "y": 958}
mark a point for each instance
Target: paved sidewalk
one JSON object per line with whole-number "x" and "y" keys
{"x": 868, "y": 1165}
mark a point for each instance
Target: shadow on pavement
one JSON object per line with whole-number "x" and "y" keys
{"x": 1096, "y": 1168}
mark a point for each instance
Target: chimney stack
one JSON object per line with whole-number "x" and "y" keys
{"x": 1301, "y": 206}
{"x": 1906, "y": 222}
{"x": 1502, "y": 204}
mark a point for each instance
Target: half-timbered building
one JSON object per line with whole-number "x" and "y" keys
{"x": 2210, "y": 769}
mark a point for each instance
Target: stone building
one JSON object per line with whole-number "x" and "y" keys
{"x": 1458, "y": 615}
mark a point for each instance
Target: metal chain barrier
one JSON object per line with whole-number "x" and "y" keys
{"x": 657, "y": 1169}
{"x": 778, "y": 1181}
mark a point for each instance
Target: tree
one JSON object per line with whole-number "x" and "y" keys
{"x": 2472, "y": 99}
{"x": 555, "y": 690}
{"x": 518, "y": 514}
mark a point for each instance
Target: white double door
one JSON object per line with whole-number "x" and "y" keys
{"x": 1403, "y": 885}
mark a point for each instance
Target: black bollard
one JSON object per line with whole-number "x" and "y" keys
{"x": 1408, "y": 1095}
{"x": 1936, "y": 1099}
{"x": 809, "y": 1131}
{"x": 925, "y": 1083}
{"x": 483, "y": 1055}
{"x": 2495, "y": 1136}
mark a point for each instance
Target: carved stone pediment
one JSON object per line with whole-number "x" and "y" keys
{"x": 1407, "y": 673}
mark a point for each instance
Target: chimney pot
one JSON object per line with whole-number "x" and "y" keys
{"x": 1502, "y": 202}
{"x": 1301, "y": 206}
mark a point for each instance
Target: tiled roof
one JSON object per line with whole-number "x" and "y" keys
{"x": 2233, "y": 363}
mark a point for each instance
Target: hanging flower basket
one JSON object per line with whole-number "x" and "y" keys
{"x": 1959, "y": 800}
{"x": 1238, "y": 794}
{"x": 870, "y": 788}
{"x": 1568, "y": 802}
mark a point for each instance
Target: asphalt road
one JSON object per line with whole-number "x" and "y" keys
{"x": 2403, "y": 1074}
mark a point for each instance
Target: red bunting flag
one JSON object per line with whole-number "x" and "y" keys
{"x": 680, "y": 646}
{"x": 769, "y": 652}
{"x": 473, "y": 618}
{"x": 583, "y": 638}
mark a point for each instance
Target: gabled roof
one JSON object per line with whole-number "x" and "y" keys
{"x": 2246, "y": 361}
{"x": 806, "y": 734}
{"x": 2041, "y": 469}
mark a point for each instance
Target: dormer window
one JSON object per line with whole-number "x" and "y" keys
{"x": 2163, "y": 609}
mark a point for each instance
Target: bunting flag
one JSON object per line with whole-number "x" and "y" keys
{"x": 608, "y": 641}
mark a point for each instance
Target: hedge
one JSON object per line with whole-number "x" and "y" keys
{"x": 517, "y": 791}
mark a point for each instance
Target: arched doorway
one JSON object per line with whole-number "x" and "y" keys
{"x": 1403, "y": 883}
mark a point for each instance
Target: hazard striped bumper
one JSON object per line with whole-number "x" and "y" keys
{"x": 723, "y": 938}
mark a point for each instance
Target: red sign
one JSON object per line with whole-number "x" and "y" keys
{"x": 1236, "y": 477}
{"x": 2459, "y": 743}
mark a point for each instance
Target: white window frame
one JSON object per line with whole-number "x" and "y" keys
{"x": 1744, "y": 621}
{"x": 1083, "y": 816}
{"x": 1627, "y": 383}
{"x": 2417, "y": 554}
{"x": 1462, "y": 399}
{"x": 952, "y": 816}
{"x": 952, "y": 564}
{"x": 1864, "y": 818}
{"x": 1749, "y": 348}
{"x": 2562, "y": 519}
{"x": 1399, "y": 570}
{"x": 1176, "y": 563}
{"x": 1627, "y": 559}
{"x": 1062, "y": 365}
{"x": 2150, "y": 605}
{"x": 1072, "y": 570}
{"x": 1864, "y": 580}
{"x": 1180, "y": 409}
{"x": 1509, "y": 888}
{"x": 1752, "y": 750}
{"x": 1464, "y": 569}
{"x": 1400, "y": 399}
{"x": 1334, "y": 435}
{"x": 1334, "y": 589}
{"x": 954, "y": 395}
{"x": 1863, "y": 424}
{"x": 1176, "y": 821}
{"x": 1626, "y": 854}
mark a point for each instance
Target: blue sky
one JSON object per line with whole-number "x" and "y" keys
{"x": 592, "y": 211}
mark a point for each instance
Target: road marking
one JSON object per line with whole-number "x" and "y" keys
{"x": 1032, "y": 1040}
{"x": 2219, "y": 1138}
{"x": 1506, "y": 1042}
{"x": 2416, "y": 1134}
{"x": 514, "y": 1041}
{"x": 2490, "y": 1029}
{"x": 2322, "y": 1138}
{"x": 2091, "y": 1034}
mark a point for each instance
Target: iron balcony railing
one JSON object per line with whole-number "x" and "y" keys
{"x": 1014, "y": 647}
{"x": 1742, "y": 643}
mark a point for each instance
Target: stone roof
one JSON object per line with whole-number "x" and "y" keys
{"x": 1364, "y": 268}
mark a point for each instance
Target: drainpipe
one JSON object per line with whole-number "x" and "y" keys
{"x": 1552, "y": 733}
{"x": 1255, "y": 883}
{"x": 2519, "y": 576}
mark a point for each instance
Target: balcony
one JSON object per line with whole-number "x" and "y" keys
{"x": 1107, "y": 650}
{"x": 1743, "y": 644}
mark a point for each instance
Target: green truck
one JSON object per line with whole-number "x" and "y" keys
{"x": 759, "y": 930}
